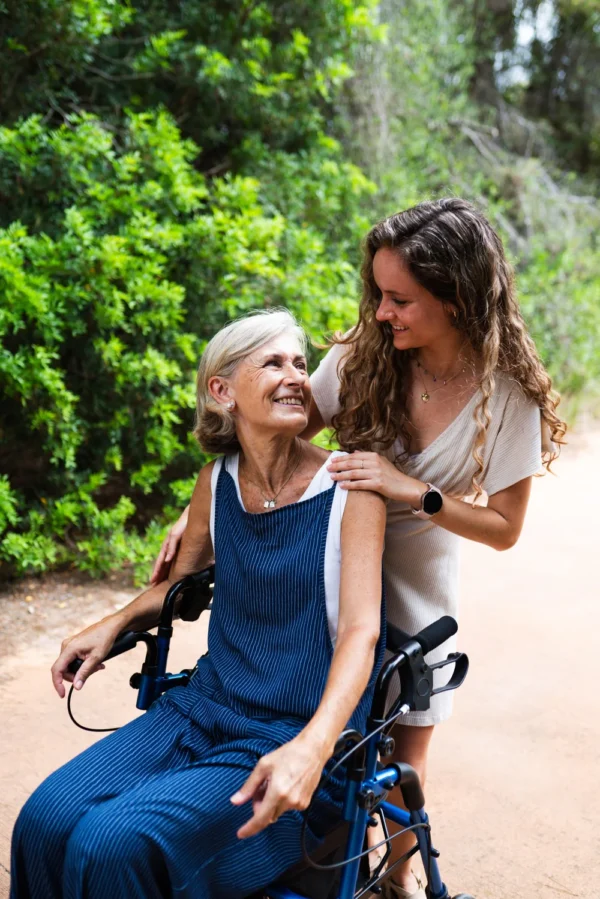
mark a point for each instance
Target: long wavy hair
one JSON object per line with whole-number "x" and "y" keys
{"x": 452, "y": 251}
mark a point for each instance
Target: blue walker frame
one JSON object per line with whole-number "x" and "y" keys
{"x": 368, "y": 782}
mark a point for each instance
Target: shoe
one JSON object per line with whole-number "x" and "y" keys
{"x": 391, "y": 890}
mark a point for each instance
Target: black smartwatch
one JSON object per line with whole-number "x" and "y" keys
{"x": 431, "y": 502}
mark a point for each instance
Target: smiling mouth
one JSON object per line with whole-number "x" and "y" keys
{"x": 290, "y": 401}
{"x": 395, "y": 328}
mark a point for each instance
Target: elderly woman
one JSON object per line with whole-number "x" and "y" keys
{"x": 161, "y": 806}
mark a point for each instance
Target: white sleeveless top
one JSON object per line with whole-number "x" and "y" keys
{"x": 333, "y": 544}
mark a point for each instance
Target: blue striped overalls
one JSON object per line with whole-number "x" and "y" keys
{"x": 145, "y": 812}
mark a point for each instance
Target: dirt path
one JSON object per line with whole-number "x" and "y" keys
{"x": 513, "y": 791}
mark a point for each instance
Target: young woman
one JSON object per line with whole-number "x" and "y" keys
{"x": 442, "y": 380}
{"x": 201, "y": 795}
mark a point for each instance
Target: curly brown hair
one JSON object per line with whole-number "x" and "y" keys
{"x": 452, "y": 251}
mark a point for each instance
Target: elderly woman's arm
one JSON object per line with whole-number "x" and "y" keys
{"x": 95, "y": 642}
{"x": 292, "y": 773}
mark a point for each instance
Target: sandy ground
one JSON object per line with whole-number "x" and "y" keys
{"x": 513, "y": 792}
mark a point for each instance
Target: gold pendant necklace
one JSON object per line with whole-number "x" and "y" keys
{"x": 426, "y": 395}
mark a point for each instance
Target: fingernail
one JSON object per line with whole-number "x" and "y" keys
{"x": 78, "y": 684}
{"x": 237, "y": 797}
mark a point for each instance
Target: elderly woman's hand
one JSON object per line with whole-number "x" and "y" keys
{"x": 92, "y": 645}
{"x": 160, "y": 572}
{"x": 282, "y": 780}
{"x": 370, "y": 471}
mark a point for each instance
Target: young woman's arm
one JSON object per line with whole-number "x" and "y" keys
{"x": 292, "y": 772}
{"x": 96, "y": 641}
{"x": 315, "y": 422}
{"x": 498, "y": 524}
{"x": 168, "y": 550}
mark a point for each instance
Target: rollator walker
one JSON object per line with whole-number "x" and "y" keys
{"x": 338, "y": 868}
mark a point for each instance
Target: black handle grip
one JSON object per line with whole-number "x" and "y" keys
{"x": 436, "y": 633}
{"x": 395, "y": 638}
{"x": 123, "y": 644}
{"x": 429, "y": 638}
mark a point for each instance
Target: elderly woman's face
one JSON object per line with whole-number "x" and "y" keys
{"x": 271, "y": 387}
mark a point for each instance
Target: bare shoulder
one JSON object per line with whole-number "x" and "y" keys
{"x": 202, "y": 494}
{"x": 205, "y": 475}
{"x": 195, "y": 550}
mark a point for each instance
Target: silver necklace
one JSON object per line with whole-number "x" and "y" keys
{"x": 272, "y": 502}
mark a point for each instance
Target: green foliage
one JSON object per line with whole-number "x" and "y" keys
{"x": 417, "y": 130}
{"x": 558, "y": 76}
{"x": 229, "y": 70}
{"x": 166, "y": 167}
{"x": 405, "y": 103}
{"x": 121, "y": 254}
{"x": 8, "y": 504}
{"x": 560, "y": 297}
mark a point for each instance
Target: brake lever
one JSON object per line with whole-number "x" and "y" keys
{"x": 460, "y": 660}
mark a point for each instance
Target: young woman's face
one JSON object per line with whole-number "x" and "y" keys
{"x": 271, "y": 387}
{"x": 415, "y": 316}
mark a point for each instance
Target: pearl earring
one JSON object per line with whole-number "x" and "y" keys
{"x": 231, "y": 405}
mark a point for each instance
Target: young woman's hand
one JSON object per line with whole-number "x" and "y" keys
{"x": 370, "y": 471}
{"x": 92, "y": 645}
{"x": 168, "y": 549}
{"x": 282, "y": 780}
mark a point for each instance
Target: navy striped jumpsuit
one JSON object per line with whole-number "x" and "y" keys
{"x": 145, "y": 812}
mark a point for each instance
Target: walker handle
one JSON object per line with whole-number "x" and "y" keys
{"x": 436, "y": 633}
{"x": 123, "y": 644}
{"x": 429, "y": 638}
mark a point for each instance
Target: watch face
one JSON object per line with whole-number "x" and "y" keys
{"x": 432, "y": 502}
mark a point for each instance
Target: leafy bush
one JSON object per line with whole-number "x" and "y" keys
{"x": 166, "y": 167}
{"x": 175, "y": 168}
{"x": 106, "y": 312}
{"x": 416, "y": 129}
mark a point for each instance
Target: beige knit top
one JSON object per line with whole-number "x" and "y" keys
{"x": 421, "y": 559}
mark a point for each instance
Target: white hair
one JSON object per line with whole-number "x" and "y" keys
{"x": 215, "y": 426}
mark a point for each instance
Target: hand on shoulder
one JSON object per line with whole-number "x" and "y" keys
{"x": 362, "y": 471}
